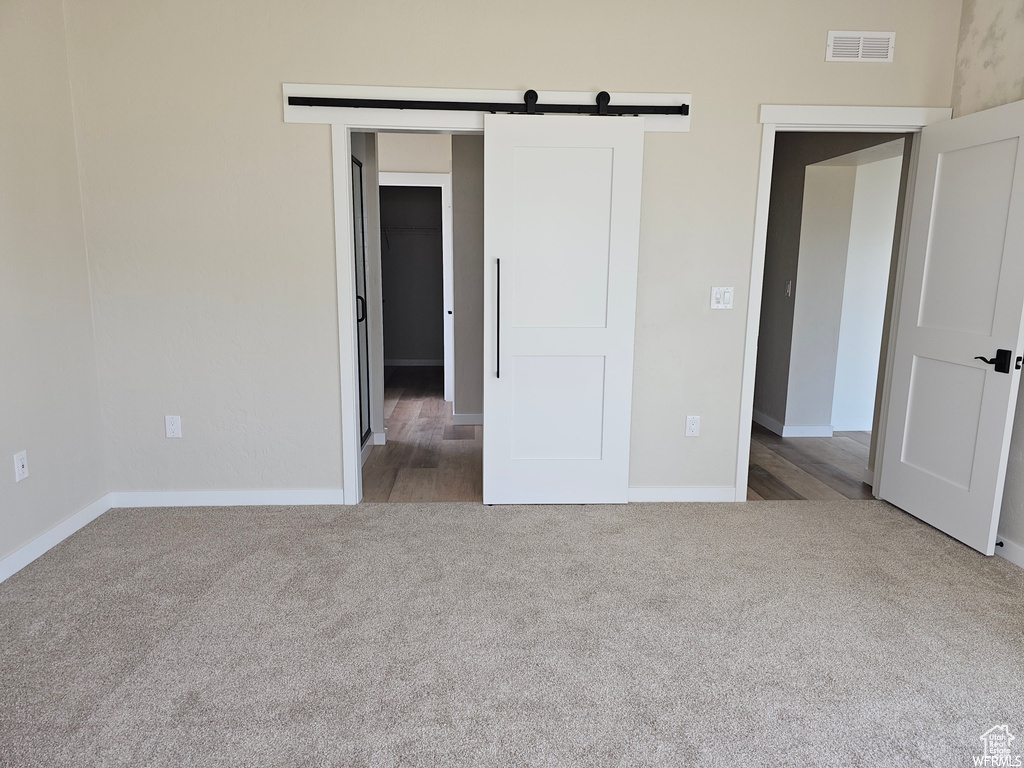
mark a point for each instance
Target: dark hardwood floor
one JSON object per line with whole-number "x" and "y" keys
{"x": 426, "y": 457}
{"x": 817, "y": 468}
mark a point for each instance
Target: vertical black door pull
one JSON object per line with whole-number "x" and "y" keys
{"x": 360, "y": 308}
{"x": 497, "y": 314}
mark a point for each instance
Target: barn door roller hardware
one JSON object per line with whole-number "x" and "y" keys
{"x": 529, "y": 106}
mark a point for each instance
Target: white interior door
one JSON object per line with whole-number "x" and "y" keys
{"x": 950, "y": 414}
{"x": 561, "y": 235}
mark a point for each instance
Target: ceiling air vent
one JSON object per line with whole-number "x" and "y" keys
{"x": 860, "y": 46}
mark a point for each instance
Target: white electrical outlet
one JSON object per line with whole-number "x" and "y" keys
{"x": 172, "y": 425}
{"x": 789, "y": 289}
{"x": 693, "y": 426}
{"x": 721, "y": 298}
{"x": 20, "y": 466}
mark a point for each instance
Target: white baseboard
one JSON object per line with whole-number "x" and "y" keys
{"x": 869, "y": 476}
{"x": 783, "y": 430}
{"x": 814, "y": 430}
{"x": 367, "y": 450}
{"x": 380, "y": 438}
{"x": 467, "y": 419}
{"x": 402, "y": 363}
{"x": 14, "y": 562}
{"x": 1011, "y": 551}
{"x": 270, "y": 498}
{"x": 768, "y": 423}
{"x": 682, "y": 493}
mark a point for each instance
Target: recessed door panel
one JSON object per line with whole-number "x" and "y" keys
{"x": 563, "y": 209}
{"x": 965, "y": 247}
{"x": 942, "y": 419}
{"x": 557, "y": 407}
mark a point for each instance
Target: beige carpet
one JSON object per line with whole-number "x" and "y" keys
{"x": 765, "y": 634}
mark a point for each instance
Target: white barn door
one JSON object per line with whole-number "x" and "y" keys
{"x": 950, "y": 414}
{"x": 561, "y": 235}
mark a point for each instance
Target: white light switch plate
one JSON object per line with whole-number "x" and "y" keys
{"x": 721, "y": 298}
{"x": 20, "y": 466}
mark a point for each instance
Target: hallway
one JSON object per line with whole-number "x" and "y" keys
{"x": 426, "y": 457}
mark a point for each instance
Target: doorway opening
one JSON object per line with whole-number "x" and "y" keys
{"x": 834, "y": 224}
{"x": 422, "y": 288}
{"x": 412, "y": 278}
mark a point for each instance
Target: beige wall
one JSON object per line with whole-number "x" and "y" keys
{"x": 990, "y": 55}
{"x": 468, "y": 225}
{"x": 415, "y": 153}
{"x": 210, "y": 221}
{"x": 49, "y": 402}
{"x": 990, "y": 73}
{"x": 214, "y": 275}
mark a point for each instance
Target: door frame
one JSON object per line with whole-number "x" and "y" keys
{"x": 442, "y": 181}
{"x": 778, "y": 118}
{"x": 345, "y": 121}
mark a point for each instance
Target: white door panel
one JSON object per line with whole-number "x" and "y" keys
{"x": 945, "y": 409}
{"x": 561, "y": 237}
{"x": 561, "y": 231}
{"x": 950, "y": 414}
{"x": 969, "y": 213}
{"x": 573, "y": 390}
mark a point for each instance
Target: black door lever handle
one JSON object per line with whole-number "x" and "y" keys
{"x": 1001, "y": 361}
